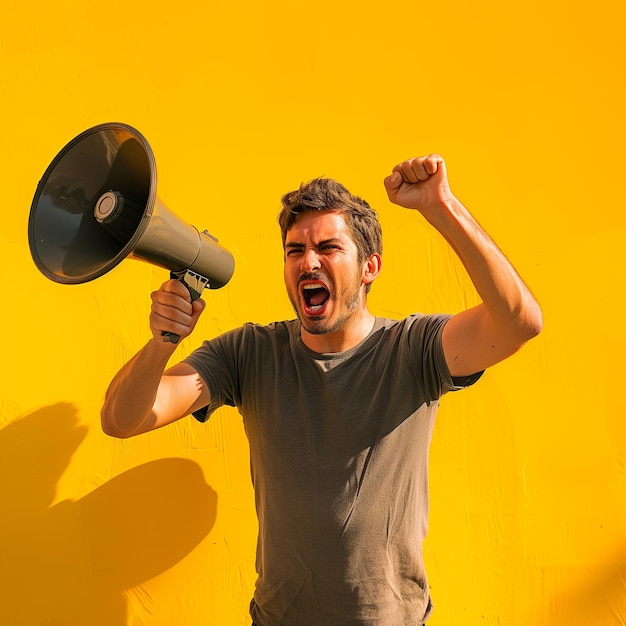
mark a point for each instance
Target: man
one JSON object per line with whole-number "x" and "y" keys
{"x": 338, "y": 405}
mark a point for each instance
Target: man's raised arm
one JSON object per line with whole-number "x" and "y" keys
{"x": 509, "y": 314}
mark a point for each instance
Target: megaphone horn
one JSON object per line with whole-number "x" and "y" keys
{"x": 96, "y": 205}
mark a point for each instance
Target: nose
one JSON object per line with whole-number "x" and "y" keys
{"x": 310, "y": 261}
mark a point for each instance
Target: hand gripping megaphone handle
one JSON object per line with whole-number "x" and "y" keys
{"x": 195, "y": 285}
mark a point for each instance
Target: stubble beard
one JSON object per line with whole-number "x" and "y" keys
{"x": 317, "y": 325}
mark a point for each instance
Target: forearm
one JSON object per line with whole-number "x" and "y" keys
{"x": 129, "y": 403}
{"x": 507, "y": 300}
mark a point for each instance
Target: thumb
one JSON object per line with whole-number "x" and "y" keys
{"x": 393, "y": 183}
{"x": 198, "y": 306}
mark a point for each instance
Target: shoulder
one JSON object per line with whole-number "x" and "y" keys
{"x": 223, "y": 359}
{"x": 415, "y": 326}
{"x": 415, "y": 339}
{"x": 250, "y": 334}
{"x": 273, "y": 332}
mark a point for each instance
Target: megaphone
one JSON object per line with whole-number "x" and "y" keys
{"x": 97, "y": 205}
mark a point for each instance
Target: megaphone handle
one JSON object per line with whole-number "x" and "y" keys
{"x": 195, "y": 285}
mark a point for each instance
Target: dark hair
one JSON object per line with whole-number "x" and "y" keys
{"x": 326, "y": 194}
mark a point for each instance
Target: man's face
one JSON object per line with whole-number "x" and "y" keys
{"x": 323, "y": 275}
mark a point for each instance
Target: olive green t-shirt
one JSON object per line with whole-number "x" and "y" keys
{"x": 338, "y": 453}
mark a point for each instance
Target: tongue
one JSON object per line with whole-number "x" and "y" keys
{"x": 319, "y": 296}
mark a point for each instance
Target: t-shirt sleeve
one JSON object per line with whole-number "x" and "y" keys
{"x": 216, "y": 361}
{"x": 426, "y": 342}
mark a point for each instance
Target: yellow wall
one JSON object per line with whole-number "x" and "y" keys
{"x": 240, "y": 102}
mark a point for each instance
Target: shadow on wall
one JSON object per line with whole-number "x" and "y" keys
{"x": 70, "y": 563}
{"x": 598, "y": 601}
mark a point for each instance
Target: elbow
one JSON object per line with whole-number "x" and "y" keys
{"x": 538, "y": 326}
{"x": 535, "y": 322}
{"x": 110, "y": 426}
{"x": 110, "y": 429}
{"x": 531, "y": 323}
{"x": 124, "y": 424}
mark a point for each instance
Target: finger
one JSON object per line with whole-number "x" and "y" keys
{"x": 432, "y": 164}
{"x": 198, "y": 306}
{"x": 182, "y": 325}
{"x": 171, "y": 313}
{"x": 405, "y": 169}
{"x": 168, "y": 299}
{"x": 160, "y": 325}
{"x": 412, "y": 170}
{"x": 418, "y": 167}
{"x": 393, "y": 182}
{"x": 176, "y": 287}
{"x": 165, "y": 317}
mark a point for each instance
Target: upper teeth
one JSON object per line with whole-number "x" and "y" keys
{"x": 312, "y": 287}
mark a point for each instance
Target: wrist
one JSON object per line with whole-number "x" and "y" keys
{"x": 161, "y": 348}
{"x": 445, "y": 211}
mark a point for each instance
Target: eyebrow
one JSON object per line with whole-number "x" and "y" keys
{"x": 294, "y": 244}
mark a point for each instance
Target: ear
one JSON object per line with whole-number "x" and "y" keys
{"x": 372, "y": 268}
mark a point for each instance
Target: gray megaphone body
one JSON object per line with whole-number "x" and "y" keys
{"x": 96, "y": 205}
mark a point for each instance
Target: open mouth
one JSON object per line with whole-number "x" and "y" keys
{"x": 315, "y": 296}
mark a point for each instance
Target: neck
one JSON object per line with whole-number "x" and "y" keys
{"x": 351, "y": 334}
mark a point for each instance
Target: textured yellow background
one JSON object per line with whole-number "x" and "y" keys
{"x": 240, "y": 102}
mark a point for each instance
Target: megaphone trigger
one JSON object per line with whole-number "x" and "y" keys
{"x": 195, "y": 284}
